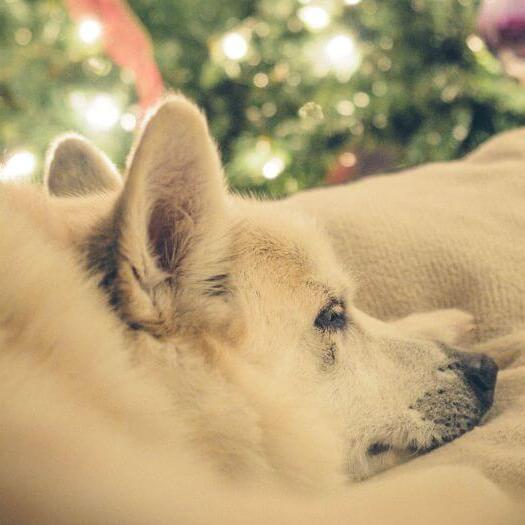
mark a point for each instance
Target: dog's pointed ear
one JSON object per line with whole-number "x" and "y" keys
{"x": 75, "y": 167}
{"x": 170, "y": 219}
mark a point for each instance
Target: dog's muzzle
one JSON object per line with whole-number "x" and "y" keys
{"x": 478, "y": 373}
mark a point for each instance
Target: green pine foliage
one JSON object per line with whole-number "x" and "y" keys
{"x": 422, "y": 88}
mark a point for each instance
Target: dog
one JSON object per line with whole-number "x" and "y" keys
{"x": 212, "y": 326}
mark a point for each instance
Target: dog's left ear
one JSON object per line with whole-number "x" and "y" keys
{"x": 75, "y": 167}
{"x": 170, "y": 222}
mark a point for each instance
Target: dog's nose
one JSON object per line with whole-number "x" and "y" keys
{"x": 480, "y": 372}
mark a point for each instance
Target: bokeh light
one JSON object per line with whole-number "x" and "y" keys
{"x": 102, "y": 113}
{"x": 341, "y": 53}
{"x": 234, "y": 46}
{"x": 314, "y": 17}
{"x": 273, "y": 167}
{"x": 89, "y": 30}
{"x": 19, "y": 165}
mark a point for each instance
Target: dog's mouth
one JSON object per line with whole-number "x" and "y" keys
{"x": 380, "y": 448}
{"x": 414, "y": 449}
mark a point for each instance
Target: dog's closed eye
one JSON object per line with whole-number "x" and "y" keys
{"x": 332, "y": 317}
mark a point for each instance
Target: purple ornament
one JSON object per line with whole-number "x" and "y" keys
{"x": 501, "y": 24}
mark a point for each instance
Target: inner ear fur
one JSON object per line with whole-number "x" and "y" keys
{"x": 169, "y": 226}
{"x": 174, "y": 192}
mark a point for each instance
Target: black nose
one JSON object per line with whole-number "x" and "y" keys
{"x": 480, "y": 372}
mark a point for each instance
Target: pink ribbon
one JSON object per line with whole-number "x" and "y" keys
{"x": 126, "y": 42}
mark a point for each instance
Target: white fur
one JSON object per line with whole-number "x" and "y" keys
{"x": 235, "y": 384}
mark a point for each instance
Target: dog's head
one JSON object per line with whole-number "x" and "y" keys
{"x": 182, "y": 260}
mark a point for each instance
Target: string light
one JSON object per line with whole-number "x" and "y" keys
{"x": 475, "y": 44}
{"x": 460, "y": 132}
{"x": 345, "y": 108}
{"x": 273, "y": 167}
{"x": 347, "y": 159}
{"x": 234, "y": 46}
{"x": 341, "y": 53}
{"x": 260, "y": 80}
{"x": 89, "y": 30}
{"x": 102, "y": 113}
{"x": 361, "y": 99}
{"x": 128, "y": 122}
{"x": 379, "y": 88}
{"x": 19, "y": 165}
{"x": 269, "y": 109}
{"x": 314, "y": 17}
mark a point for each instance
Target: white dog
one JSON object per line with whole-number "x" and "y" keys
{"x": 215, "y": 327}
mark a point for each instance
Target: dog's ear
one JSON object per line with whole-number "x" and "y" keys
{"x": 75, "y": 167}
{"x": 170, "y": 221}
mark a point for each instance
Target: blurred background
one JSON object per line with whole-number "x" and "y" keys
{"x": 299, "y": 93}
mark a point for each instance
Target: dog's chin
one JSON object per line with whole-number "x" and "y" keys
{"x": 382, "y": 455}
{"x": 386, "y": 455}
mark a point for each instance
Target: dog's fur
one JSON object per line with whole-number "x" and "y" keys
{"x": 166, "y": 314}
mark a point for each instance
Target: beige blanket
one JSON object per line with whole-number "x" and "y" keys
{"x": 447, "y": 235}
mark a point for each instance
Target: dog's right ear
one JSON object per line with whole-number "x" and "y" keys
{"x": 75, "y": 167}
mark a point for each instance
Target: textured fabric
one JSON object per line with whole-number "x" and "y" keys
{"x": 447, "y": 235}
{"x": 441, "y": 235}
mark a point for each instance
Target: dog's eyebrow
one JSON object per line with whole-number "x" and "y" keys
{"x": 330, "y": 294}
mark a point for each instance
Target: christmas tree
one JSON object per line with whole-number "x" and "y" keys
{"x": 298, "y": 93}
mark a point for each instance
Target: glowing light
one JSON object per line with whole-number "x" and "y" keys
{"x": 347, "y": 159}
{"x": 460, "y": 132}
{"x": 352, "y": 2}
{"x": 128, "y": 122}
{"x": 475, "y": 44}
{"x": 19, "y": 165}
{"x": 314, "y": 17}
{"x": 273, "y": 167}
{"x": 234, "y": 46}
{"x": 361, "y": 99}
{"x": 89, "y": 30}
{"x": 345, "y": 108}
{"x": 260, "y": 80}
{"x": 269, "y": 109}
{"x": 341, "y": 53}
{"x": 102, "y": 113}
